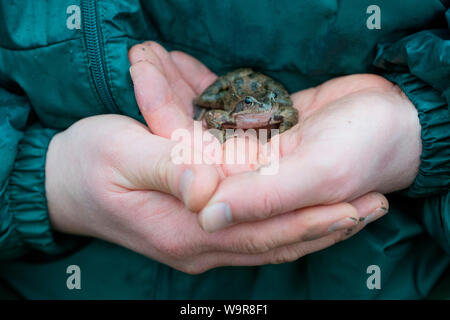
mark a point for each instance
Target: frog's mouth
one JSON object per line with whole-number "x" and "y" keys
{"x": 252, "y": 120}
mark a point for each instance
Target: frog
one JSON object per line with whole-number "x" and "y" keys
{"x": 245, "y": 99}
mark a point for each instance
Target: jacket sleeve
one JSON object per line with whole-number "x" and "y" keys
{"x": 420, "y": 65}
{"x": 24, "y": 222}
{"x": 438, "y": 225}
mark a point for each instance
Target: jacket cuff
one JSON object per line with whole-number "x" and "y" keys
{"x": 27, "y": 202}
{"x": 434, "y": 117}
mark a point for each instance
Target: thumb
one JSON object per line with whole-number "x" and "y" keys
{"x": 149, "y": 165}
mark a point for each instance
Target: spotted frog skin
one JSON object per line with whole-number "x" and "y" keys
{"x": 246, "y": 99}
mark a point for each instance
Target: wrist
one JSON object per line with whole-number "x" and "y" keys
{"x": 51, "y": 182}
{"x": 57, "y": 186}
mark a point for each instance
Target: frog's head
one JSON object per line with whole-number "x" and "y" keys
{"x": 256, "y": 104}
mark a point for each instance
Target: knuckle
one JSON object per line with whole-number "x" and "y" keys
{"x": 113, "y": 154}
{"x": 118, "y": 136}
{"x": 287, "y": 254}
{"x": 173, "y": 249}
{"x": 193, "y": 268}
{"x": 272, "y": 203}
{"x": 162, "y": 173}
{"x": 333, "y": 169}
{"x": 335, "y": 175}
{"x": 254, "y": 244}
{"x": 282, "y": 258}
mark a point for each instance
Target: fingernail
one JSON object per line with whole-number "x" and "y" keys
{"x": 216, "y": 216}
{"x": 132, "y": 72}
{"x": 378, "y": 213}
{"x": 137, "y": 69}
{"x": 185, "y": 185}
{"x": 135, "y": 72}
{"x": 345, "y": 223}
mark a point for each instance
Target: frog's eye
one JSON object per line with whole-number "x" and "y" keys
{"x": 248, "y": 100}
{"x": 274, "y": 95}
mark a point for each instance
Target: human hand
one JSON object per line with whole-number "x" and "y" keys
{"x": 355, "y": 135}
{"x": 108, "y": 177}
{"x": 165, "y": 84}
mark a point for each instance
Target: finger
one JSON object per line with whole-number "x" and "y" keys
{"x": 289, "y": 228}
{"x": 142, "y": 52}
{"x": 266, "y": 253}
{"x": 295, "y": 251}
{"x": 149, "y": 165}
{"x": 300, "y": 225}
{"x": 195, "y": 73}
{"x": 373, "y": 206}
{"x": 300, "y": 180}
{"x": 157, "y": 102}
{"x": 241, "y": 153}
{"x": 174, "y": 77}
{"x": 155, "y": 54}
{"x": 277, "y": 256}
{"x": 163, "y": 110}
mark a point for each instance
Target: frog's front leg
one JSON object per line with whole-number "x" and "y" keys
{"x": 216, "y": 119}
{"x": 289, "y": 118}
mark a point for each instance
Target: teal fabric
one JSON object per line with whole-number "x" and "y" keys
{"x": 437, "y": 225}
{"x": 46, "y": 85}
{"x": 428, "y": 87}
{"x": 26, "y": 203}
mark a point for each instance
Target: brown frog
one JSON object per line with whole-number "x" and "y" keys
{"x": 246, "y": 99}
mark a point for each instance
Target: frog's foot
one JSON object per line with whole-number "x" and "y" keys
{"x": 199, "y": 113}
{"x": 219, "y": 120}
{"x": 290, "y": 118}
{"x": 219, "y": 134}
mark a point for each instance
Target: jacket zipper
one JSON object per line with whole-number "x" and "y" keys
{"x": 96, "y": 60}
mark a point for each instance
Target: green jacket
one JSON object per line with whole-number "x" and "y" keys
{"x": 53, "y": 74}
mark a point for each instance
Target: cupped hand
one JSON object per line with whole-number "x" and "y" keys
{"x": 108, "y": 177}
{"x": 356, "y": 134}
{"x": 165, "y": 85}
